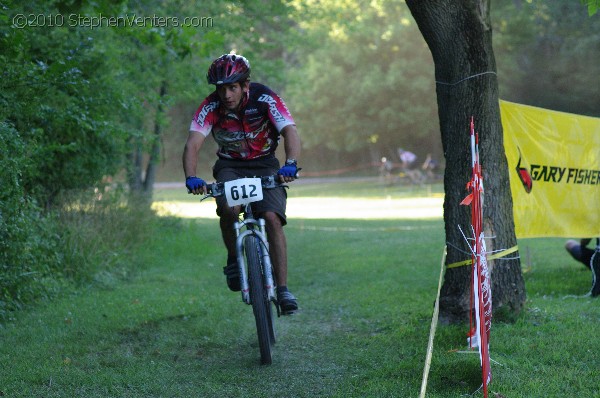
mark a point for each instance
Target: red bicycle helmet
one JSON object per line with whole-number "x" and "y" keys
{"x": 228, "y": 68}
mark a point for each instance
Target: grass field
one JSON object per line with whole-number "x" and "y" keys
{"x": 366, "y": 289}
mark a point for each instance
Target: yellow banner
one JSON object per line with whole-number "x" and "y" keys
{"x": 554, "y": 167}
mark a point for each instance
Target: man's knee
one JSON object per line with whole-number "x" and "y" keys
{"x": 272, "y": 219}
{"x": 228, "y": 215}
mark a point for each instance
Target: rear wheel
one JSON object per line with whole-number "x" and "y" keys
{"x": 261, "y": 305}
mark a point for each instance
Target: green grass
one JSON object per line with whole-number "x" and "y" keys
{"x": 366, "y": 290}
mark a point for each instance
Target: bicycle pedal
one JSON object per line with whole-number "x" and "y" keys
{"x": 278, "y": 308}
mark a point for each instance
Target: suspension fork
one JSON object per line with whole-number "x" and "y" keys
{"x": 260, "y": 233}
{"x": 268, "y": 267}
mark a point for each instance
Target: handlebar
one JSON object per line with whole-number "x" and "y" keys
{"x": 217, "y": 189}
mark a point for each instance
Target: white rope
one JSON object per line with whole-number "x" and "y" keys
{"x": 466, "y": 78}
{"x": 434, "y": 321}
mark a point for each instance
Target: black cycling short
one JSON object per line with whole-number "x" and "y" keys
{"x": 273, "y": 199}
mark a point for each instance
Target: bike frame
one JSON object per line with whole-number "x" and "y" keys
{"x": 249, "y": 225}
{"x": 251, "y": 231}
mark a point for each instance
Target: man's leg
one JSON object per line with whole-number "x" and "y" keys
{"x": 277, "y": 247}
{"x": 228, "y": 216}
{"x": 278, "y": 253}
{"x": 579, "y": 252}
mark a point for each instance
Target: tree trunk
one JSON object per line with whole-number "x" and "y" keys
{"x": 156, "y": 144}
{"x": 141, "y": 181}
{"x": 134, "y": 174}
{"x": 459, "y": 35}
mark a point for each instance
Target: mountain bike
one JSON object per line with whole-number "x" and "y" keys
{"x": 256, "y": 273}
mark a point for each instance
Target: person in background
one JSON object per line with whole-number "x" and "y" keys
{"x": 385, "y": 170}
{"x": 407, "y": 158}
{"x": 588, "y": 257}
{"x": 410, "y": 167}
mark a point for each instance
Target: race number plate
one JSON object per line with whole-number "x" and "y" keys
{"x": 243, "y": 191}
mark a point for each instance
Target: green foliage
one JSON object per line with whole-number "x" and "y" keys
{"x": 29, "y": 259}
{"x": 60, "y": 131}
{"x": 358, "y": 76}
{"x": 592, "y": 5}
{"x": 56, "y": 96}
{"x": 40, "y": 251}
{"x": 363, "y": 84}
{"x": 99, "y": 233}
{"x": 548, "y": 47}
{"x": 90, "y": 240}
{"x": 80, "y": 105}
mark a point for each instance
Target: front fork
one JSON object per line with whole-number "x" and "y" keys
{"x": 251, "y": 224}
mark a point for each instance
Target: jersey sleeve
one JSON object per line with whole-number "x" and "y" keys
{"x": 279, "y": 113}
{"x": 205, "y": 116}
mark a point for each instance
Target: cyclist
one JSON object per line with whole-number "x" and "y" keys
{"x": 246, "y": 119}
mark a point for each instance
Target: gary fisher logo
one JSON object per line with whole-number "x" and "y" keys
{"x": 555, "y": 174}
{"x": 524, "y": 175}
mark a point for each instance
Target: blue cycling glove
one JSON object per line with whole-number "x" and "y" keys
{"x": 290, "y": 169}
{"x": 192, "y": 183}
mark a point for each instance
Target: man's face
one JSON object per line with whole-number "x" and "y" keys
{"x": 231, "y": 94}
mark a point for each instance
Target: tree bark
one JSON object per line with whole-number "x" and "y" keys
{"x": 154, "y": 159}
{"x": 141, "y": 181}
{"x": 134, "y": 175}
{"x": 459, "y": 36}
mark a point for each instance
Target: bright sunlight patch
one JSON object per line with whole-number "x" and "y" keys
{"x": 319, "y": 208}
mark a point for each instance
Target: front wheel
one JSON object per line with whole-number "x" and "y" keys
{"x": 261, "y": 305}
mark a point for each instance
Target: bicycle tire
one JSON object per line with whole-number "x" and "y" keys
{"x": 270, "y": 318}
{"x": 258, "y": 298}
{"x": 271, "y": 310}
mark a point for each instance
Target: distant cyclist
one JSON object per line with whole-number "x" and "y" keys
{"x": 407, "y": 158}
{"x": 409, "y": 166}
{"x": 247, "y": 121}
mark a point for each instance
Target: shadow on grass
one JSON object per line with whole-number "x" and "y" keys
{"x": 460, "y": 376}
{"x": 188, "y": 339}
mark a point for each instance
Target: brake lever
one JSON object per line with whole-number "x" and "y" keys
{"x": 212, "y": 191}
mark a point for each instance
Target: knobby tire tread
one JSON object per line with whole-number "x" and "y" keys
{"x": 258, "y": 297}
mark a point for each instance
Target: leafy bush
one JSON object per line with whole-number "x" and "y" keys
{"x": 29, "y": 260}
{"x": 99, "y": 233}
{"x": 61, "y": 129}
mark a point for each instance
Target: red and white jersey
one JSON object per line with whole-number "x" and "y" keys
{"x": 253, "y": 132}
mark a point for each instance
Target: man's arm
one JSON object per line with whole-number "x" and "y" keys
{"x": 190, "y": 157}
{"x": 291, "y": 145}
